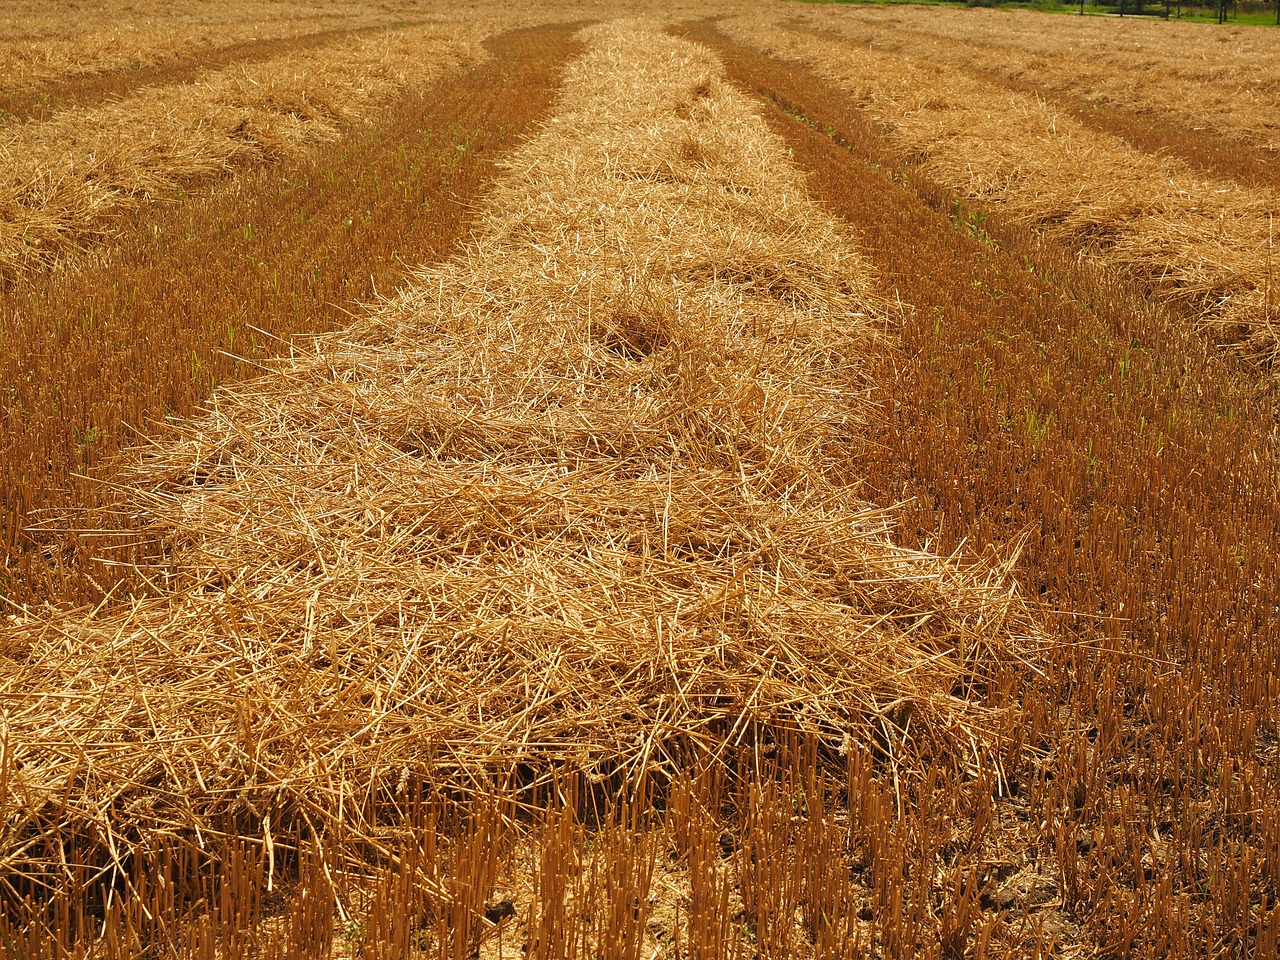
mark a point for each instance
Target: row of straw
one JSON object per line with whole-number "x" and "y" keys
{"x": 1224, "y": 80}
{"x": 48, "y": 46}
{"x": 580, "y": 497}
{"x": 1205, "y": 245}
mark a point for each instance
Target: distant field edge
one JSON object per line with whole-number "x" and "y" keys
{"x": 1258, "y": 16}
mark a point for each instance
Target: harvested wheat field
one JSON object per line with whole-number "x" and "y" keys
{"x": 627, "y": 482}
{"x": 1207, "y": 244}
{"x": 1224, "y": 81}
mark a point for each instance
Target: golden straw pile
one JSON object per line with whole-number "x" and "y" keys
{"x": 580, "y": 496}
{"x": 65, "y": 180}
{"x": 1208, "y": 245}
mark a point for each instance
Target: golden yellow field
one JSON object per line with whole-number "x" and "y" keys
{"x": 748, "y": 480}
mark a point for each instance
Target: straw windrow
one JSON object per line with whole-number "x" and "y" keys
{"x": 1205, "y": 245}
{"x": 583, "y": 496}
{"x": 1218, "y": 79}
{"x": 67, "y": 180}
{"x": 45, "y": 47}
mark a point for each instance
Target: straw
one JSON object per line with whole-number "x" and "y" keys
{"x": 580, "y": 497}
{"x": 1204, "y": 76}
{"x": 1200, "y": 243}
{"x": 68, "y": 180}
